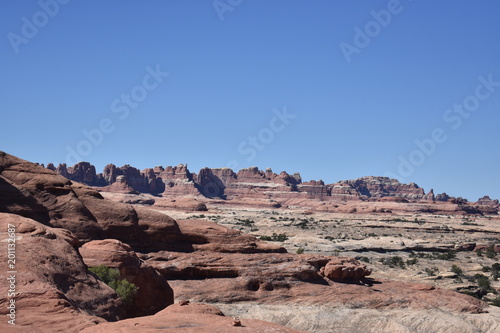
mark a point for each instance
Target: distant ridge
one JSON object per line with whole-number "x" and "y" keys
{"x": 252, "y": 183}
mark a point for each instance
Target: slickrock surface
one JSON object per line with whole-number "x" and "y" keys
{"x": 191, "y": 318}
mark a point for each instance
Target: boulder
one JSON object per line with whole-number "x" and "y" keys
{"x": 154, "y": 293}
{"x": 345, "y": 269}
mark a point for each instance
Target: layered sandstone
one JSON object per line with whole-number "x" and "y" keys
{"x": 254, "y": 187}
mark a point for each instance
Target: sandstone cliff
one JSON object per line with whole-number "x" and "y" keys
{"x": 251, "y": 186}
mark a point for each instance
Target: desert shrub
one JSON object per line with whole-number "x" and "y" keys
{"x": 483, "y": 282}
{"x": 457, "y": 270}
{"x": 124, "y": 289}
{"x": 106, "y": 274}
{"x": 412, "y": 261}
{"x": 490, "y": 252}
{"x": 300, "y": 250}
{"x": 450, "y": 255}
{"x": 111, "y": 276}
{"x": 495, "y": 271}
{"x": 275, "y": 237}
{"x": 393, "y": 262}
{"x": 479, "y": 252}
{"x": 431, "y": 271}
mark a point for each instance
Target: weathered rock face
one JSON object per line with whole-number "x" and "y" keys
{"x": 210, "y": 185}
{"x": 54, "y": 289}
{"x": 430, "y": 196}
{"x": 487, "y": 201}
{"x": 378, "y": 187}
{"x": 154, "y": 293}
{"x": 53, "y": 200}
{"x": 120, "y": 186}
{"x": 83, "y": 172}
{"x": 345, "y": 269}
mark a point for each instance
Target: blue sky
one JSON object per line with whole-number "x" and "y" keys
{"x": 234, "y": 66}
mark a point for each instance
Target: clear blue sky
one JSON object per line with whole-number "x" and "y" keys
{"x": 226, "y": 76}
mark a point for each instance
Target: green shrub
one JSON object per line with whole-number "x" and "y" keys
{"x": 105, "y": 273}
{"x": 124, "y": 289}
{"x": 457, "y": 270}
{"x": 111, "y": 276}
{"x": 431, "y": 271}
{"x": 412, "y": 261}
{"x": 483, "y": 282}
{"x": 394, "y": 262}
{"x": 450, "y": 255}
{"x": 275, "y": 237}
{"x": 490, "y": 252}
{"x": 300, "y": 250}
{"x": 495, "y": 271}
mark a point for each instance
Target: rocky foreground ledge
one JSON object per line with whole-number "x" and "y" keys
{"x": 62, "y": 227}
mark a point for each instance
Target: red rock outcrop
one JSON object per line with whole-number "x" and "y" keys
{"x": 55, "y": 201}
{"x": 154, "y": 293}
{"x": 378, "y": 187}
{"x": 345, "y": 269}
{"x": 186, "y": 204}
{"x": 54, "y": 290}
{"x": 83, "y": 172}
{"x": 250, "y": 186}
{"x": 119, "y": 186}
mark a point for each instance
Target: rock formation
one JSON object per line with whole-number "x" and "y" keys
{"x": 54, "y": 289}
{"x": 251, "y": 186}
{"x": 154, "y": 293}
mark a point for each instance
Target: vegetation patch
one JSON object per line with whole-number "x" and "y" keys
{"x": 111, "y": 276}
{"x": 275, "y": 237}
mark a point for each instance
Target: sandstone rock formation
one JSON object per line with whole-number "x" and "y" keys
{"x": 54, "y": 289}
{"x": 154, "y": 293}
{"x": 53, "y": 200}
{"x": 252, "y": 187}
{"x": 59, "y": 283}
{"x": 344, "y": 269}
